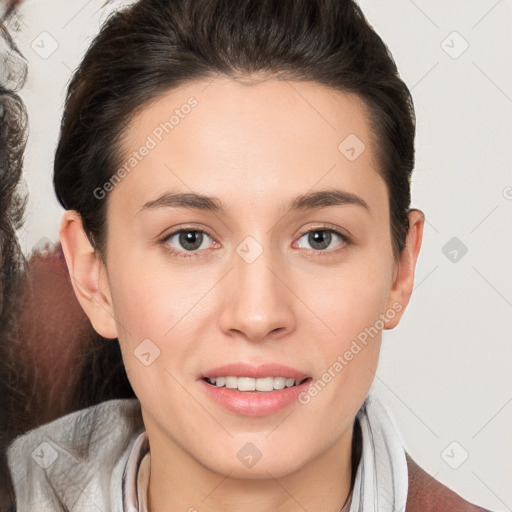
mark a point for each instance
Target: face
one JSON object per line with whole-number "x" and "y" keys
{"x": 284, "y": 269}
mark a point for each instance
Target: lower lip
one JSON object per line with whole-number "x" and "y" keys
{"x": 255, "y": 403}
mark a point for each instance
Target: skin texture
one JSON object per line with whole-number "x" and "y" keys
{"x": 255, "y": 147}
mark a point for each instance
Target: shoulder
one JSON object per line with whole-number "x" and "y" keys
{"x": 426, "y": 494}
{"x": 108, "y": 420}
{"x": 80, "y": 456}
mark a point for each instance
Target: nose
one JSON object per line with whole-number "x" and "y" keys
{"x": 257, "y": 302}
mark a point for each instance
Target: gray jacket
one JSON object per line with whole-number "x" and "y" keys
{"x": 76, "y": 463}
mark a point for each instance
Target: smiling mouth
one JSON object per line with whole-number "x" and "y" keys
{"x": 262, "y": 384}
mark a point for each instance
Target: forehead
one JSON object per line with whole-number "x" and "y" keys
{"x": 264, "y": 139}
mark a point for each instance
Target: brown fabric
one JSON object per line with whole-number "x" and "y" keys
{"x": 426, "y": 494}
{"x": 41, "y": 342}
{"x": 52, "y": 330}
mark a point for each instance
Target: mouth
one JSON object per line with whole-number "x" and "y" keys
{"x": 261, "y": 384}
{"x": 254, "y": 390}
{"x": 251, "y": 391}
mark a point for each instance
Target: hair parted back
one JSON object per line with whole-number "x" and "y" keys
{"x": 153, "y": 46}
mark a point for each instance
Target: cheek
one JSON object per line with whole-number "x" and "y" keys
{"x": 351, "y": 305}
{"x": 354, "y": 315}
{"x": 351, "y": 298}
{"x": 351, "y": 302}
{"x": 140, "y": 310}
{"x": 148, "y": 298}
{"x": 159, "y": 313}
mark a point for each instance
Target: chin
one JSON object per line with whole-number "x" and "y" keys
{"x": 250, "y": 461}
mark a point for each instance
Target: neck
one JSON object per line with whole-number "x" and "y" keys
{"x": 180, "y": 482}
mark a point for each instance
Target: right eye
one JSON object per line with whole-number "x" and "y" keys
{"x": 186, "y": 240}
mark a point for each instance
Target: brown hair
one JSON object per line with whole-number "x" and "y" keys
{"x": 156, "y": 45}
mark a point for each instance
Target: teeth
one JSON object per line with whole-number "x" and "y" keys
{"x": 250, "y": 384}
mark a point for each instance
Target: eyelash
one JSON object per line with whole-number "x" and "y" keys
{"x": 190, "y": 254}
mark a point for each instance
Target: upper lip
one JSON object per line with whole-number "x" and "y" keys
{"x": 246, "y": 370}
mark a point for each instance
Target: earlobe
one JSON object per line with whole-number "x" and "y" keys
{"x": 403, "y": 281}
{"x": 88, "y": 277}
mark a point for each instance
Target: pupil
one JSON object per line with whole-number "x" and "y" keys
{"x": 315, "y": 238}
{"x": 189, "y": 239}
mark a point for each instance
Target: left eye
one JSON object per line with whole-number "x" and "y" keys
{"x": 320, "y": 239}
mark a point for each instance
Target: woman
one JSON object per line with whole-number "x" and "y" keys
{"x": 236, "y": 179}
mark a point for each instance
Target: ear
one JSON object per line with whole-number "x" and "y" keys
{"x": 88, "y": 275}
{"x": 403, "y": 282}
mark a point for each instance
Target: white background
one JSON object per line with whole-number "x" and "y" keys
{"x": 446, "y": 370}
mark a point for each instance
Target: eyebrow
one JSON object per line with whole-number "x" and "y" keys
{"x": 308, "y": 201}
